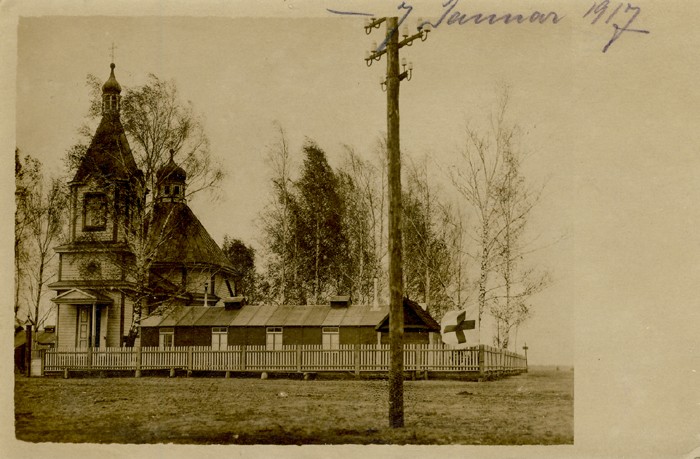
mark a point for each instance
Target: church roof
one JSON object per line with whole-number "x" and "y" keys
{"x": 182, "y": 239}
{"x": 109, "y": 155}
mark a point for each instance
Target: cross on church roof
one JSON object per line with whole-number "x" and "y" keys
{"x": 112, "y": 49}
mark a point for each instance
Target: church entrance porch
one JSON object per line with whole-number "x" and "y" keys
{"x": 83, "y": 318}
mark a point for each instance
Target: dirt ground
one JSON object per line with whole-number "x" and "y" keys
{"x": 532, "y": 408}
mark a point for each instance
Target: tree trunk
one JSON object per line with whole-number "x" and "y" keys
{"x": 483, "y": 275}
{"x": 40, "y": 285}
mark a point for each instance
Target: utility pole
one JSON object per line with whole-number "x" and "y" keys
{"x": 391, "y": 83}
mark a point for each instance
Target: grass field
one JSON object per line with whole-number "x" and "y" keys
{"x": 532, "y": 408}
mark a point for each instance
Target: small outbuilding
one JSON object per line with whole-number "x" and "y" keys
{"x": 234, "y": 324}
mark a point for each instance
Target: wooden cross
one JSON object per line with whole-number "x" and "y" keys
{"x": 112, "y": 52}
{"x": 461, "y": 325}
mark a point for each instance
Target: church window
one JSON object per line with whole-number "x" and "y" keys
{"x": 167, "y": 190}
{"x": 177, "y": 190}
{"x": 95, "y": 212}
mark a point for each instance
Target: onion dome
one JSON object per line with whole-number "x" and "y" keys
{"x": 111, "y": 86}
{"x": 171, "y": 171}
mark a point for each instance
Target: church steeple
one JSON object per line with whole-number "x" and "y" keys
{"x": 111, "y": 97}
{"x": 109, "y": 155}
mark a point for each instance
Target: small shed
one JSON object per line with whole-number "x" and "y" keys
{"x": 235, "y": 324}
{"x": 43, "y": 339}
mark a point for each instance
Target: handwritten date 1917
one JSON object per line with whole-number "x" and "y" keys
{"x": 600, "y": 10}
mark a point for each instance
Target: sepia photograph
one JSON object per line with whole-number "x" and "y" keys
{"x": 326, "y": 227}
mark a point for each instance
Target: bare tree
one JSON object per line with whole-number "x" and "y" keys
{"x": 40, "y": 220}
{"x": 278, "y": 225}
{"x": 477, "y": 181}
{"x": 491, "y": 182}
{"x": 48, "y": 228}
{"x": 27, "y": 175}
{"x": 515, "y": 200}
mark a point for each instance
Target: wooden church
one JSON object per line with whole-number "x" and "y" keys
{"x": 96, "y": 285}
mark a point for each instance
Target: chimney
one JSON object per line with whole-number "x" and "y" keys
{"x": 234, "y": 302}
{"x": 340, "y": 301}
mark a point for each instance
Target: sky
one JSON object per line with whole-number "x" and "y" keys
{"x": 610, "y": 133}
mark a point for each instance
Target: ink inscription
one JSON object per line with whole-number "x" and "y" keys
{"x": 601, "y": 12}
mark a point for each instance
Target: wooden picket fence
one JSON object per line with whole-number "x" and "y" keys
{"x": 293, "y": 358}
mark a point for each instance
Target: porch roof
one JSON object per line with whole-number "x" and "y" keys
{"x": 82, "y": 296}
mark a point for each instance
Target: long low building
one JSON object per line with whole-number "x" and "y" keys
{"x": 273, "y": 326}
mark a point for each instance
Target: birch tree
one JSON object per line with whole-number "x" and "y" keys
{"x": 489, "y": 180}
{"x": 278, "y": 225}
{"x": 515, "y": 201}
{"x": 40, "y": 220}
{"x": 27, "y": 175}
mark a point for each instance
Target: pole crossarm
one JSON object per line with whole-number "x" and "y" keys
{"x": 373, "y": 23}
{"x": 376, "y": 54}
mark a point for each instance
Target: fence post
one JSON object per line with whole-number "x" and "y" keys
{"x": 28, "y": 351}
{"x": 243, "y": 357}
{"x": 89, "y": 357}
{"x": 298, "y": 349}
{"x": 356, "y": 358}
{"x": 137, "y": 349}
{"x": 43, "y": 361}
{"x": 417, "y": 357}
{"x": 481, "y": 361}
{"x": 190, "y": 360}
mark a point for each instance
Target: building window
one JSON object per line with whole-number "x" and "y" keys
{"x": 95, "y": 212}
{"x": 167, "y": 337}
{"x": 330, "y": 337}
{"x": 219, "y": 338}
{"x": 177, "y": 190}
{"x": 274, "y": 338}
{"x": 167, "y": 190}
